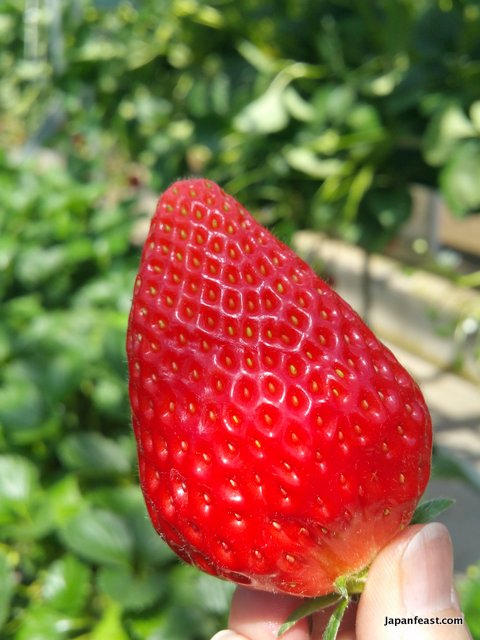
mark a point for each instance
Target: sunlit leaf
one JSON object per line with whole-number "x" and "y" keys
{"x": 110, "y": 625}
{"x": 66, "y": 585}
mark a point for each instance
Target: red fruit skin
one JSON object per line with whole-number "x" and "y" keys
{"x": 280, "y": 444}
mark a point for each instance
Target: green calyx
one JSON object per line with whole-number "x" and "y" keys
{"x": 345, "y": 588}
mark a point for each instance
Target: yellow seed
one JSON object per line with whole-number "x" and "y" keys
{"x": 401, "y": 478}
{"x": 293, "y": 370}
{"x": 280, "y": 288}
{"x": 248, "y": 332}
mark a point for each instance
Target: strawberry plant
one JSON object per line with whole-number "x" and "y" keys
{"x": 280, "y": 444}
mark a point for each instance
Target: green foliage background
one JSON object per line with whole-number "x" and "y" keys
{"x": 314, "y": 113}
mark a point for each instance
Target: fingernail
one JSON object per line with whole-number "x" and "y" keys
{"x": 427, "y": 571}
{"x": 226, "y": 634}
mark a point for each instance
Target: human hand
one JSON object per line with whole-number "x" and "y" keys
{"x": 412, "y": 577}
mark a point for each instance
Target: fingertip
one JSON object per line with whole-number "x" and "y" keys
{"x": 258, "y": 615}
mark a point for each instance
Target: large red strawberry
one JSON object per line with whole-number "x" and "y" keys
{"x": 280, "y": 444}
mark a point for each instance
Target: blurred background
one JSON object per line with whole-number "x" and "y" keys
{"x": 352, "y": 129}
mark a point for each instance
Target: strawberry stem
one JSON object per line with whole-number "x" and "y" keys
{"x": 345, "y": 587}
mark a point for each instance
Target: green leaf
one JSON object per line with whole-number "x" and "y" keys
{"x": 40, "y": 622}
{"x": 311, "y": 164}
{"x": 266, "y": 114}
{"x": 312, "y": 605}
{"x": 93, "y": 454}
{"x": 65, "y": 499}
{"x": 128, "y": 502}
{"x": 336, "y": 618}
{"x": 110, "y": 625}
{"x": 133, "y": 591}
{"x": 99, "y": 536}
{"x": 66, "y": 585}
{"x": 446, "y": 129}
{"x": 460, "y": 178}
{"x": 7, "y": 584}
{"x": 20, "y": 405}
{"x": 430, "y": 509}
{"x": 18, "y": 480}
{"x": 468, "y": 588}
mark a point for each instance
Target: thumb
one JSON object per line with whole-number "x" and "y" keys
{"x": 410, "y": 592}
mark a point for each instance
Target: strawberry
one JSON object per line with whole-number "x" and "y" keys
{"x": 280, "y": 444}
